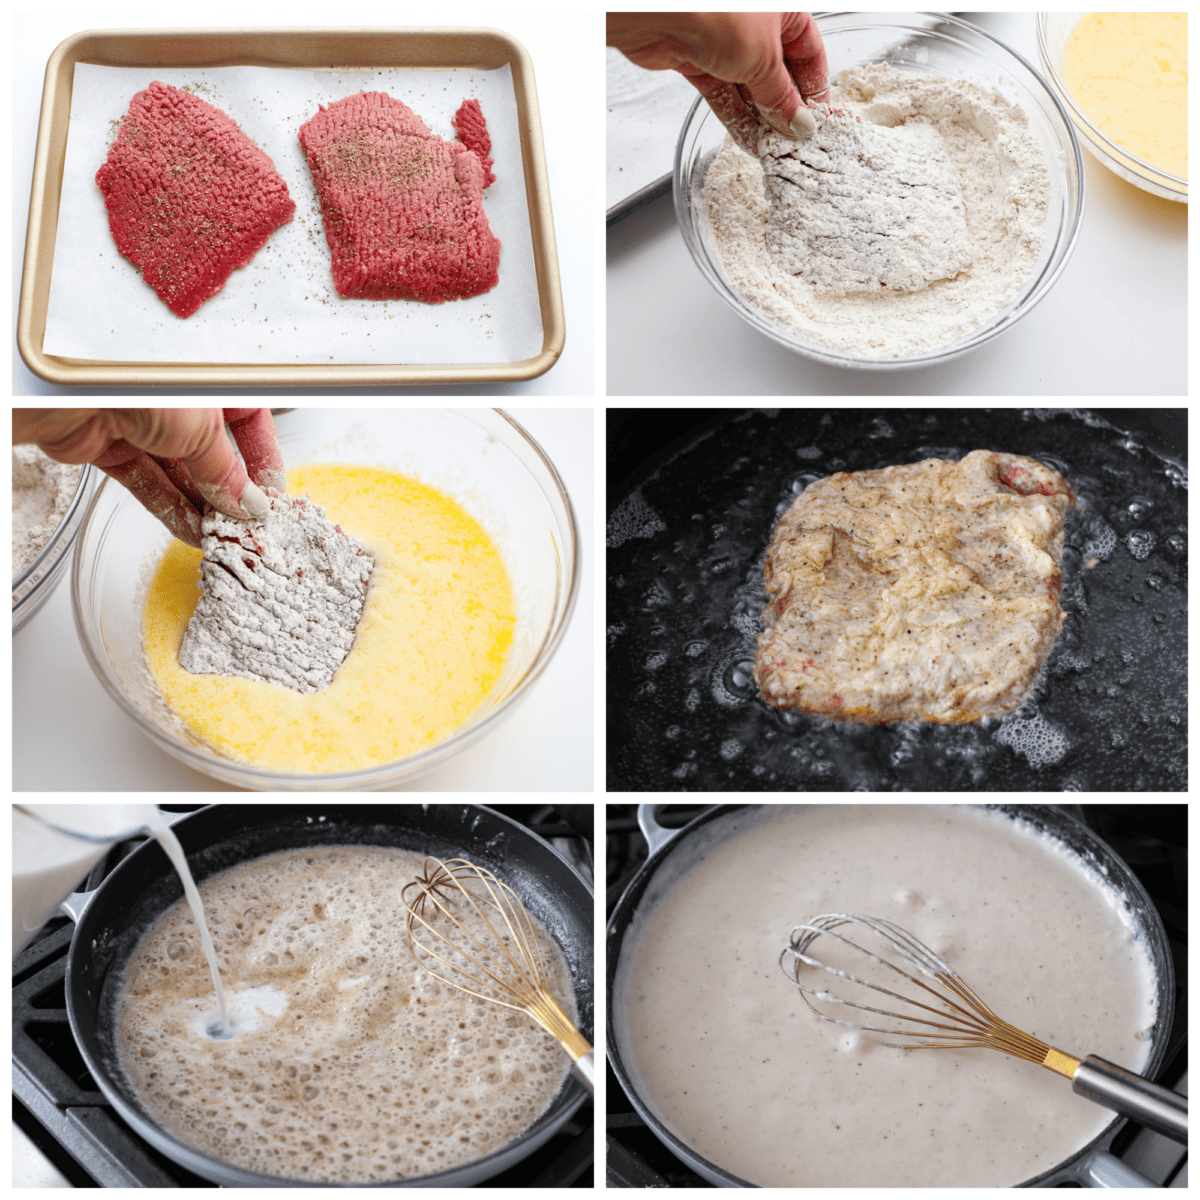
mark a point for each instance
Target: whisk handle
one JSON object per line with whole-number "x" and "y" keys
{"x": 1132, "y": 1096}
{"x": 585, "y": 1071}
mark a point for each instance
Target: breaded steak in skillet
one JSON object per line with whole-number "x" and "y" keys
{"x": 927, "y": 591}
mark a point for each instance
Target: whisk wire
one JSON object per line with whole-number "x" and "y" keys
{"x": 516, "y": 982}
{"x": 963, "y": 1019}
{"x": 510, "y": 964}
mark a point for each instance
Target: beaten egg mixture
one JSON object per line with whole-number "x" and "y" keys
{"x": 1129, "y": 73}
{"x": 431, "y": 644}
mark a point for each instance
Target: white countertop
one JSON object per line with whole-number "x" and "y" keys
{"x": 561, "y": 79}
{"x": 69, "y": 735}
{"x": 1115, "y": 324}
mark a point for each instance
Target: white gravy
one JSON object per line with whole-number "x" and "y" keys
{"x": 724, "y": 1051}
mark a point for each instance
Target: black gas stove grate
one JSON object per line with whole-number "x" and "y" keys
{"x": 1151, "y": 838}
{"x": 59, "y": 1107}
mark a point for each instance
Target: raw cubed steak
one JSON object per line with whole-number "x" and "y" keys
{"x": 403, "y": 209}
{"x": 190, "y": 197}
{"x": 281, "y": 597}
{"x": 926, "y": 591}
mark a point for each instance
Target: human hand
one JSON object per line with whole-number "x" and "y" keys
{"x": 750, "y": 67}
{"x": 174, "y": 460}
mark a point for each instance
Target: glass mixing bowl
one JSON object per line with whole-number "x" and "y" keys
{"x": 1054, "y": 31}
{"x": 940, "y": 45}
{"x": 482, "y": 458}
{"x": 37, "y": 582}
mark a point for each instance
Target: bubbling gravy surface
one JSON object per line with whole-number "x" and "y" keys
{"x": 349, "y": 1063}
{"x": 724, "y": 1051}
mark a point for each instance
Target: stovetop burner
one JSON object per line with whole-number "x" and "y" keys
{"x": 59, "y": 1107}
{"x": 1151, "y": 838}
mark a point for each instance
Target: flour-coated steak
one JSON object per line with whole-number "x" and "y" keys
{"x": 927, "y": 591}
{"x": 280, "y": 598}
{"x": 403, "y": 209}
{"x": 190, "y": 197}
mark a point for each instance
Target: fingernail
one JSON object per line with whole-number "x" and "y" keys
{"x": 804, "y": 124}
{"x": 254, "y": 500}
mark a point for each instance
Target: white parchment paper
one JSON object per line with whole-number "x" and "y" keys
{"x": 283, "y": 307}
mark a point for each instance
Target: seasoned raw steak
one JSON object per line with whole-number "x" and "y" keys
{"x": 925, "y": 591}
{"x": 190, "y": 197}
{"x": 282, "y": 597}
{"x": 472, "y": 132}
{"x": 403, "y": 209}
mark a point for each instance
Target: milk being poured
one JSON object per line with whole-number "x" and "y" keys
{"x": 220, "y": 1026}
{"x": 48, "y": 864}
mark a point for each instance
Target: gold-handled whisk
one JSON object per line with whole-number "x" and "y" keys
{"x": 471, "y": 931}
{"x": 947, "y": 1014}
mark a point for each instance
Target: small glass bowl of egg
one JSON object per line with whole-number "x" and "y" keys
{"x": 481, "y": 458}
{"x": 1055, "y": 32}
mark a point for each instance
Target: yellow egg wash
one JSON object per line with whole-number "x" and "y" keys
{"x": 1129, "y": 73}
{"x": 433, "y": 638}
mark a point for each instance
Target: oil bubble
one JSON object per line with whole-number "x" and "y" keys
{"x": 1140, "y": 542}
{"x": 1102, "y": 540}
{"x": 1070, "y": 662}
{"x": 739, "y": 679}
{"x": 1036, "y": 739}
{"x": 632, "y": 518}
{"x": 656, "y": 596}
{"x": 733, "y": 680}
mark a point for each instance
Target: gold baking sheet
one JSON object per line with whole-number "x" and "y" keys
{"x": 481, "y": 49}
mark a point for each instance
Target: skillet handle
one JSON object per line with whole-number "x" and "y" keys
{"x": 656, "y": 835}
{"x": 1151, "y": 1104}
{"x": 1104, "y": 1170}
{"x": 585, "y": 1070}
{"x": 75, "y": 905}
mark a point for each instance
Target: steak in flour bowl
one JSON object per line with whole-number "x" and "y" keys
{"x": 937, "y": 135}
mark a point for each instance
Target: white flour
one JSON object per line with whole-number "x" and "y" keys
{"x": 282, "y": 597}
{"x": 982, "y": 140}
{"x": 42, "y": 492}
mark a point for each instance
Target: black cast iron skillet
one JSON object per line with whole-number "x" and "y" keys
{"x": 1091, "y": 1165}
{"x": 118, "y": 913}
{"x": 687, "y": 535}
